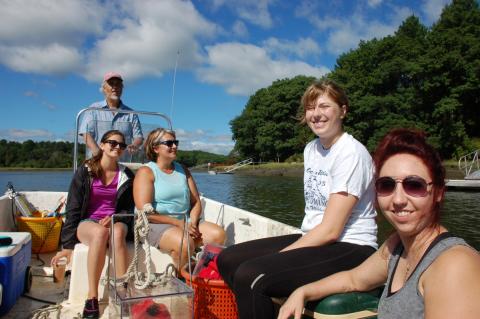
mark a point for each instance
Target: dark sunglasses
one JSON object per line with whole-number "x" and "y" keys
{"x": 412, "y": 185}
{"x": 114, "y": 144}
{"x": 168, "y": 143}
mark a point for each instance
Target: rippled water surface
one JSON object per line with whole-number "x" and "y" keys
{"x": 277, "y": 197}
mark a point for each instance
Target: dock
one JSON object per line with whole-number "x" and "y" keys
{"x": 472, "y": 185}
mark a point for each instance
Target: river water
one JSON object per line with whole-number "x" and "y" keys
{"x": 276, "y": 197}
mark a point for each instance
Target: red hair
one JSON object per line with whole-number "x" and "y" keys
{"x": 414, "y": 142}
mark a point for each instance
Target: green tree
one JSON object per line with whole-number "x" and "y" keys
{"x": 451, "y": 72}
{"x": 381, "y": 79}
{"x": 268, "y": 128}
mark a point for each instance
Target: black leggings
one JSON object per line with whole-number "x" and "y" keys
{"x": 256, "y": 271}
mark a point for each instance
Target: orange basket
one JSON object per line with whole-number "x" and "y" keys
{"x": 45, "y": 231}
{"x": 212, "y": 299}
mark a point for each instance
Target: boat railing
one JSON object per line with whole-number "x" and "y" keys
{"x": 122, "y": 111}
{"x": 469, "y": 163}
{"x": 229, "y": 169}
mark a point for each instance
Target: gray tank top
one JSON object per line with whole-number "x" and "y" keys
{"x": 407, "y": 302}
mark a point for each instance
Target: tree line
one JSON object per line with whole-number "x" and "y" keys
{"x": 419, "y": 77}
{"x": 45, "y": 154}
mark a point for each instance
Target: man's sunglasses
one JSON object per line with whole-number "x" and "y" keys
{"x": 114, "y": 144}
{"x": 168, "y": 143}
{"x": 412, "y": 185}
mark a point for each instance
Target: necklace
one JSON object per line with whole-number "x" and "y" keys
{"x": 407, "y": 272}
{"x": 416, "y": 256}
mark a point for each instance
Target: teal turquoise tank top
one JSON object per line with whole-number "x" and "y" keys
{"x": 408, "y": 302}
{"x": 171, "y": 192}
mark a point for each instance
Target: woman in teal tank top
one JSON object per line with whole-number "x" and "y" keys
{"x": 171, "y": 190}
{"x": 427, "y": 272}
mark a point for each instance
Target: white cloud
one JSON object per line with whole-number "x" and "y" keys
{"x": 301, "y": 48}
{"x": 201, "y": 140}
{"x": 21, "y": 135}
{"x": 244, "y": 68}
{"x": 216, "y": 148}
{"x": 255, "y": 12}
{"x": 138, "y": 38}
{"x": 40, "y": 21}
{"x": 357, "y": 28}
{"x": 345, "y": 33}
{"x": 44, "y": 36}
{"x": 149, "y": 38}
{"x": 49, "y": 59}
{"x": 432, "y": 9}
{"x": 40, "y": 99}
{"x": 374, "y": 3}
{"x": 240, "y": 29}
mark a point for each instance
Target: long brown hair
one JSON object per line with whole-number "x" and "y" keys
{"x": 93, "y": 163}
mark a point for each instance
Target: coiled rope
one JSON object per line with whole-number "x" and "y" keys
{"x": 148, "y": 279}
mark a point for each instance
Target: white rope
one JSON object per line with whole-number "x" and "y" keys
{"x": 44, "y": 313}
{"x": 141, "y": 230}
{"x": 148, "y": 279}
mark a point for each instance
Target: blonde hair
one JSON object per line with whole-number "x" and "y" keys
{"x": 319, "y": 88}
{"x": 152, "y": 140}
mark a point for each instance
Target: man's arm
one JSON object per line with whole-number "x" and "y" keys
{"x": 91, "y": 144}
{"x": 137, "y": 135}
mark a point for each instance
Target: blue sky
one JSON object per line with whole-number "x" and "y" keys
{"x": 53, "y": 55}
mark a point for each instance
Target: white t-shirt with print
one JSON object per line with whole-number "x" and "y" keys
{"x": 345, "y": 167}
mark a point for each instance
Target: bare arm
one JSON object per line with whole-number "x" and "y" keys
{"x": 368, "y": 275}
{"x": 451, "y": 286}
{"x": 136, "y": 144}
{"x": 138, "y": 141}
{"x": 137, "y": 135}
{"x": 339, "y": 208}
{"x": 143, "y": 190}
{"x": 91, "y": 144}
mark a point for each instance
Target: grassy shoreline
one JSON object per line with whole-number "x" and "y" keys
{"x": 266, "y": 169}
{"x": 9, "y": 169}
{"x": 296, "y": 169}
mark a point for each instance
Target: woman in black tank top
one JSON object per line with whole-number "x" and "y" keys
{"x": 427, "y": 272}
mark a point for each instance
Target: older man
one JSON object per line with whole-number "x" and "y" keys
{"x": 96, "y": 123}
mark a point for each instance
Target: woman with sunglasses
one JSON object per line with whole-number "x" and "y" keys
{"x": 339, "y": 229}
{"x": 429, "y": 273}
{"x": 100, "y": 188}
{"x": 169, "y": 187}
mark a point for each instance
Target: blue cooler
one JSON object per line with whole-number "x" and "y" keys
{"x": 14, "y": 260}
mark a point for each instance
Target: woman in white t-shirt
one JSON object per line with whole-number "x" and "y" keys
{"x": 339, "y": 224}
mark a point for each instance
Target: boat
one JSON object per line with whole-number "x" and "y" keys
{"x": 239, "y": 224}
{"x": 67, "y": 296}
{"x": 469, "y": 165}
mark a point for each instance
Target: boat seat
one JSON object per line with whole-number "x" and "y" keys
{"x": 78, "y": 288}
{"x": 343, "y": 306}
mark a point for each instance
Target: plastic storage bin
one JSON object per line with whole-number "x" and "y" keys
{"x": 172, "y": 299}
{"x": 14, "y": 268}
{"x": 45, "y": 231}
